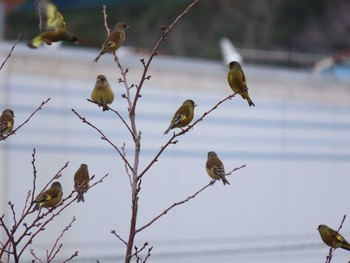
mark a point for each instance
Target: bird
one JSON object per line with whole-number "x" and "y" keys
{"x": 183, "y": 116}
{"x": 102, "y": 93}
{"x": 237, "y": 81}
{"x": 6, "y": 122}
{"x": 52, "y": 26}
{"x": 114, "y": 40}
{"x": 332, "y": 238}
{"x": 215, "y": 168}
{"x": 49, "y": 198}
{"x": 81, "y": 181}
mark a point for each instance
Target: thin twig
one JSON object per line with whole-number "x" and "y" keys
{"x": 116, "y": 112}
{"x": 165, "y": 32}
{"x": 212, "y": 182}
{"x": 148, "y": 254}
{"x": 51, "y": 256}
{"x": 4, "y": 137}
{"x": 9, "y": 54}
{"x": 118, "y": 236}
{"x": 73, "y": 256}
{"x": 35, "y": 256}
{"x": 104, "y": 137}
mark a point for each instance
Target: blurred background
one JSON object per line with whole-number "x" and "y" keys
{"x": 295, "y": 142}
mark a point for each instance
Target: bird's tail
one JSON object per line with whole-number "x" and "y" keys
{"x": 166, "y": 132}
{"x": 36, "y": 42}
{"x": 80, "y": 196}
{"x": 346, "y": 247}
{"x": 97, "y": 58}
{"x": 250, "y": 102}
{"x": 224, "y": 180}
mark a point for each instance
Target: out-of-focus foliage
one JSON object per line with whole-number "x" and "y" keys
{"x": 316, "y": 26}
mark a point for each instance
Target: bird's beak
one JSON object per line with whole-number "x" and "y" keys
{"x": 195, "y": 105}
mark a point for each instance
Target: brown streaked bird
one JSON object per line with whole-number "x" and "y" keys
{"x": 215, "y": 168}
{"x": 6, "y": 122}
{"x": 183, "y": 116}
{"x": 332, "y": 238}
{"x": 114, "y": 40}
{"x": 236, "y": 80}
{"x": 52, "y": 26}
{"x": 102, "y": 92}
{"x": 81, "y": 181}
{"x": 49, "y": 198}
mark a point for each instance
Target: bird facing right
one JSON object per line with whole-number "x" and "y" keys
{"x": 52, "y": 26}
{"x": 6, "y": 122}
{"x": 236, "y": 80}
{"x": 215, "y": 168}
{"x": 332, "y": 238}
{"x": 102, "y": 92}
{"x": 81, "y": 181}
{"x": 114, "y": 40}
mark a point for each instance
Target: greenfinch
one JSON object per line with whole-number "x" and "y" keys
{"x": 6, "y": 122}
{"x": 102, "y": 92}
{"x": 52, "y": 26}
{"x": 81, "y": 181}
{"x": 215, "y": 168}
{"x": 332, "y": 238}
{"x": 114, "y": 40}
{"x": 183, "y": 116}
{"x": 237, "y": 81}
{"x": 51, "y": 197}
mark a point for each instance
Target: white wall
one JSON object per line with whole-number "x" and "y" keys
{"x": 295, "y": 143}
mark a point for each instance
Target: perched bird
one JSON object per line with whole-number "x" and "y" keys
{"x": 49, "y": 198}
{"x": 332, "y": 238}
{"x": 114, "y": 40}
{"x": 183, "y": 116}
{"x": 6, "y": 122}
{"x": 102, "y": 92}
{"x": 237, "y": 81}
{"x": 81, "y": 181}
{"x": 52, "y": 26}
{"x": 215, "y": 168}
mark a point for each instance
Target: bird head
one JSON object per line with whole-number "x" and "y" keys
{"x": 56, "y": 185}
{"x": 9, "y": 113}
{"x": 122, "y": 26}
{"x": 212, "y": 155}
{"x": 191, "y": 102}
{"x": 234, "y": 64}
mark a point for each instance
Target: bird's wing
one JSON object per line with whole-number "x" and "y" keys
{"x": 50, "y": 18}
{"x": 218, "y": 170}
{"x": 242, "y": 76}
{"x": 5, "y": 125}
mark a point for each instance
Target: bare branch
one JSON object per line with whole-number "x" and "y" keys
{"x": 105, "y": 19}
{"x": 35, "y": 256}
{"x": 148, "y": 254}
{"x": 4, "y": 137}
{"x": 126, "y": 167}
{"x": 104, "y": 137}
{"x": 119, "y": 237}
{"x": 235, "y": 169}
{"x": 54, "y": 251}
{"x": 212, "y": 182}
{"x": 9, "y": 54}
{"x": 118, "y": 114}
{"x": 73, "y": 256}
{"x": 164, "y": 36}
